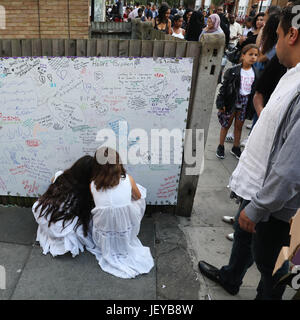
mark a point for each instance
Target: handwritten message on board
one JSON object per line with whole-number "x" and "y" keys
{"x": 53, "y": 108}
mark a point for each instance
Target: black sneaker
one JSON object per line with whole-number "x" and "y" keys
{"x": 220, "y": 152}
{"x": 236, "y": 151}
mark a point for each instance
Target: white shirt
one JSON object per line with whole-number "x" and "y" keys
{"x": 235, "y": 30}
{"x": 247, "y": 179}
{"x": 134, "y": 13}
{"x": 178, "y": 35}
{"x": 247, "y": 78}
{"x": 246, "y": 30}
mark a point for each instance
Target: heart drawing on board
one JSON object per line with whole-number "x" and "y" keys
{"x": 62, "y": 74}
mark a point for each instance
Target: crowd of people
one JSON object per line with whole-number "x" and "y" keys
{"x": 188, "y": 23}
{"x": 263, "y": 86}
{"x": 97, "y": 205}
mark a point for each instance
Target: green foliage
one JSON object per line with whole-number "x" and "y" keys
{"x": 217, "y": 3}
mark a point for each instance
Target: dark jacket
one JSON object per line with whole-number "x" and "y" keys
{"x": 229, "y": 91}
{"x": 225, "y": 26}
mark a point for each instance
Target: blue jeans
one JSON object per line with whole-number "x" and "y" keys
{"x": 254, "y": 120}
{"x": 241, "y": 254}
{"x": 265, "y": 248}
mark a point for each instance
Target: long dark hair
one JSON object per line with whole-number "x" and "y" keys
{"x": 161, "y": 17}
{"x": 186, "y": 13}
{"x": 69, "y": 196}
{"x": 269, "y": 35}
{"x": 195, "y": 26}
{"x": 261, "y": 14}
{"x": 107, "y": 175}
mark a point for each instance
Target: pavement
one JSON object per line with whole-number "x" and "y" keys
{"x": 176, "y": 243}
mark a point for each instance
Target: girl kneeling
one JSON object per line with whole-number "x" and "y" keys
{"x": 119, "y": 208}
{"x": 63, "y": 212}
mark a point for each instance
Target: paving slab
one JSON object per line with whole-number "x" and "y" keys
{"x": 81, "y": 278}
{"x": 209, "y": 244}
{"x": 245, "y": 293}
{"x": 214, "y": 174}
{"x": 176, "y": 277}
{"x": 211, "y": 204}
{"x": 218, "y": 293}
{"x": 17, "y": 225}
{"x": 13, "y": 257}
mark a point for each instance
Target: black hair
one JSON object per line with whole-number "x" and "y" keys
{"x": 274, "y": 10}
{"x": 269, "y": 35}
{"x": 161, "y": 17}
{"x": 195, "y": 26}
{"x": 140, "y": 10}
{"x": 186, "y": 12}
{"x": 249, "y": 19}
{"x": 69, "y": 196}
{"x": 177, "y": 17}
{"x": 287, "y": 16}
{"x": 261, "y": 14}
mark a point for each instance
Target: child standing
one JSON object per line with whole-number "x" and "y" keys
{"x": 119, "y": 208}
{"x": 63, "y": 212}
{"x": 177, "y": 31}
{"x": 234, "y": 100}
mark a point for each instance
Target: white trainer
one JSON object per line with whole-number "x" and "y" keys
{"x": 229, "y": 137}
{"x": 228, "y": 219}
{"x": 230, "y": 236}
{"x": 243, "y": 143}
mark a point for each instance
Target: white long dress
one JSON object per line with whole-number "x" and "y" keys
{"x": 58, "y": 240}
{"x": 116, "y": 224}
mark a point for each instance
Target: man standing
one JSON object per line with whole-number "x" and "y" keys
{"x": 154, "y": 11}
{"x": 148, "y": 12}
{"x": 267, "y": 177}
{"x": 224, "y": 24}
{"x": 235, "y": 31}
{"x": 134, "y": 13}
{"x": 254, "y": 10}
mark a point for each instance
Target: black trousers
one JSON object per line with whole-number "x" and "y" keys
{"x": 263, "y": 247}
{"x": 267, "y": 242}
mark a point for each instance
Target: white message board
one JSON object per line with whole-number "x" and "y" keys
{"x": 53, "y": 108}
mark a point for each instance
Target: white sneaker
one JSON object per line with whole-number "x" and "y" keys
{"x": 229, "y": 137}
{"x": 243, "y": 143}
{"x": 249, "y": 126}
{"x": 230, "y": 236}
{"x": 228, "y": 219}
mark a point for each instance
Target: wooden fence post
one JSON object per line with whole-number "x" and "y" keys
{"x": 202, "y": 99}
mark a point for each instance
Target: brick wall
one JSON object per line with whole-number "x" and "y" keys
{"x": 46, "y": 19}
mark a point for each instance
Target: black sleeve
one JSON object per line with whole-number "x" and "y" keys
{"x": 270, "y": 77}
{"x": 220, "y": 102}
{"x": 250, "y": 39}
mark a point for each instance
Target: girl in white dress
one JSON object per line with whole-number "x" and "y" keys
{"x": 119, "y": 208}
{"x": 63, "y": 212}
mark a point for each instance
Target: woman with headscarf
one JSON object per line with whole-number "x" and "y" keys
{"x": 213, "y": 25}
